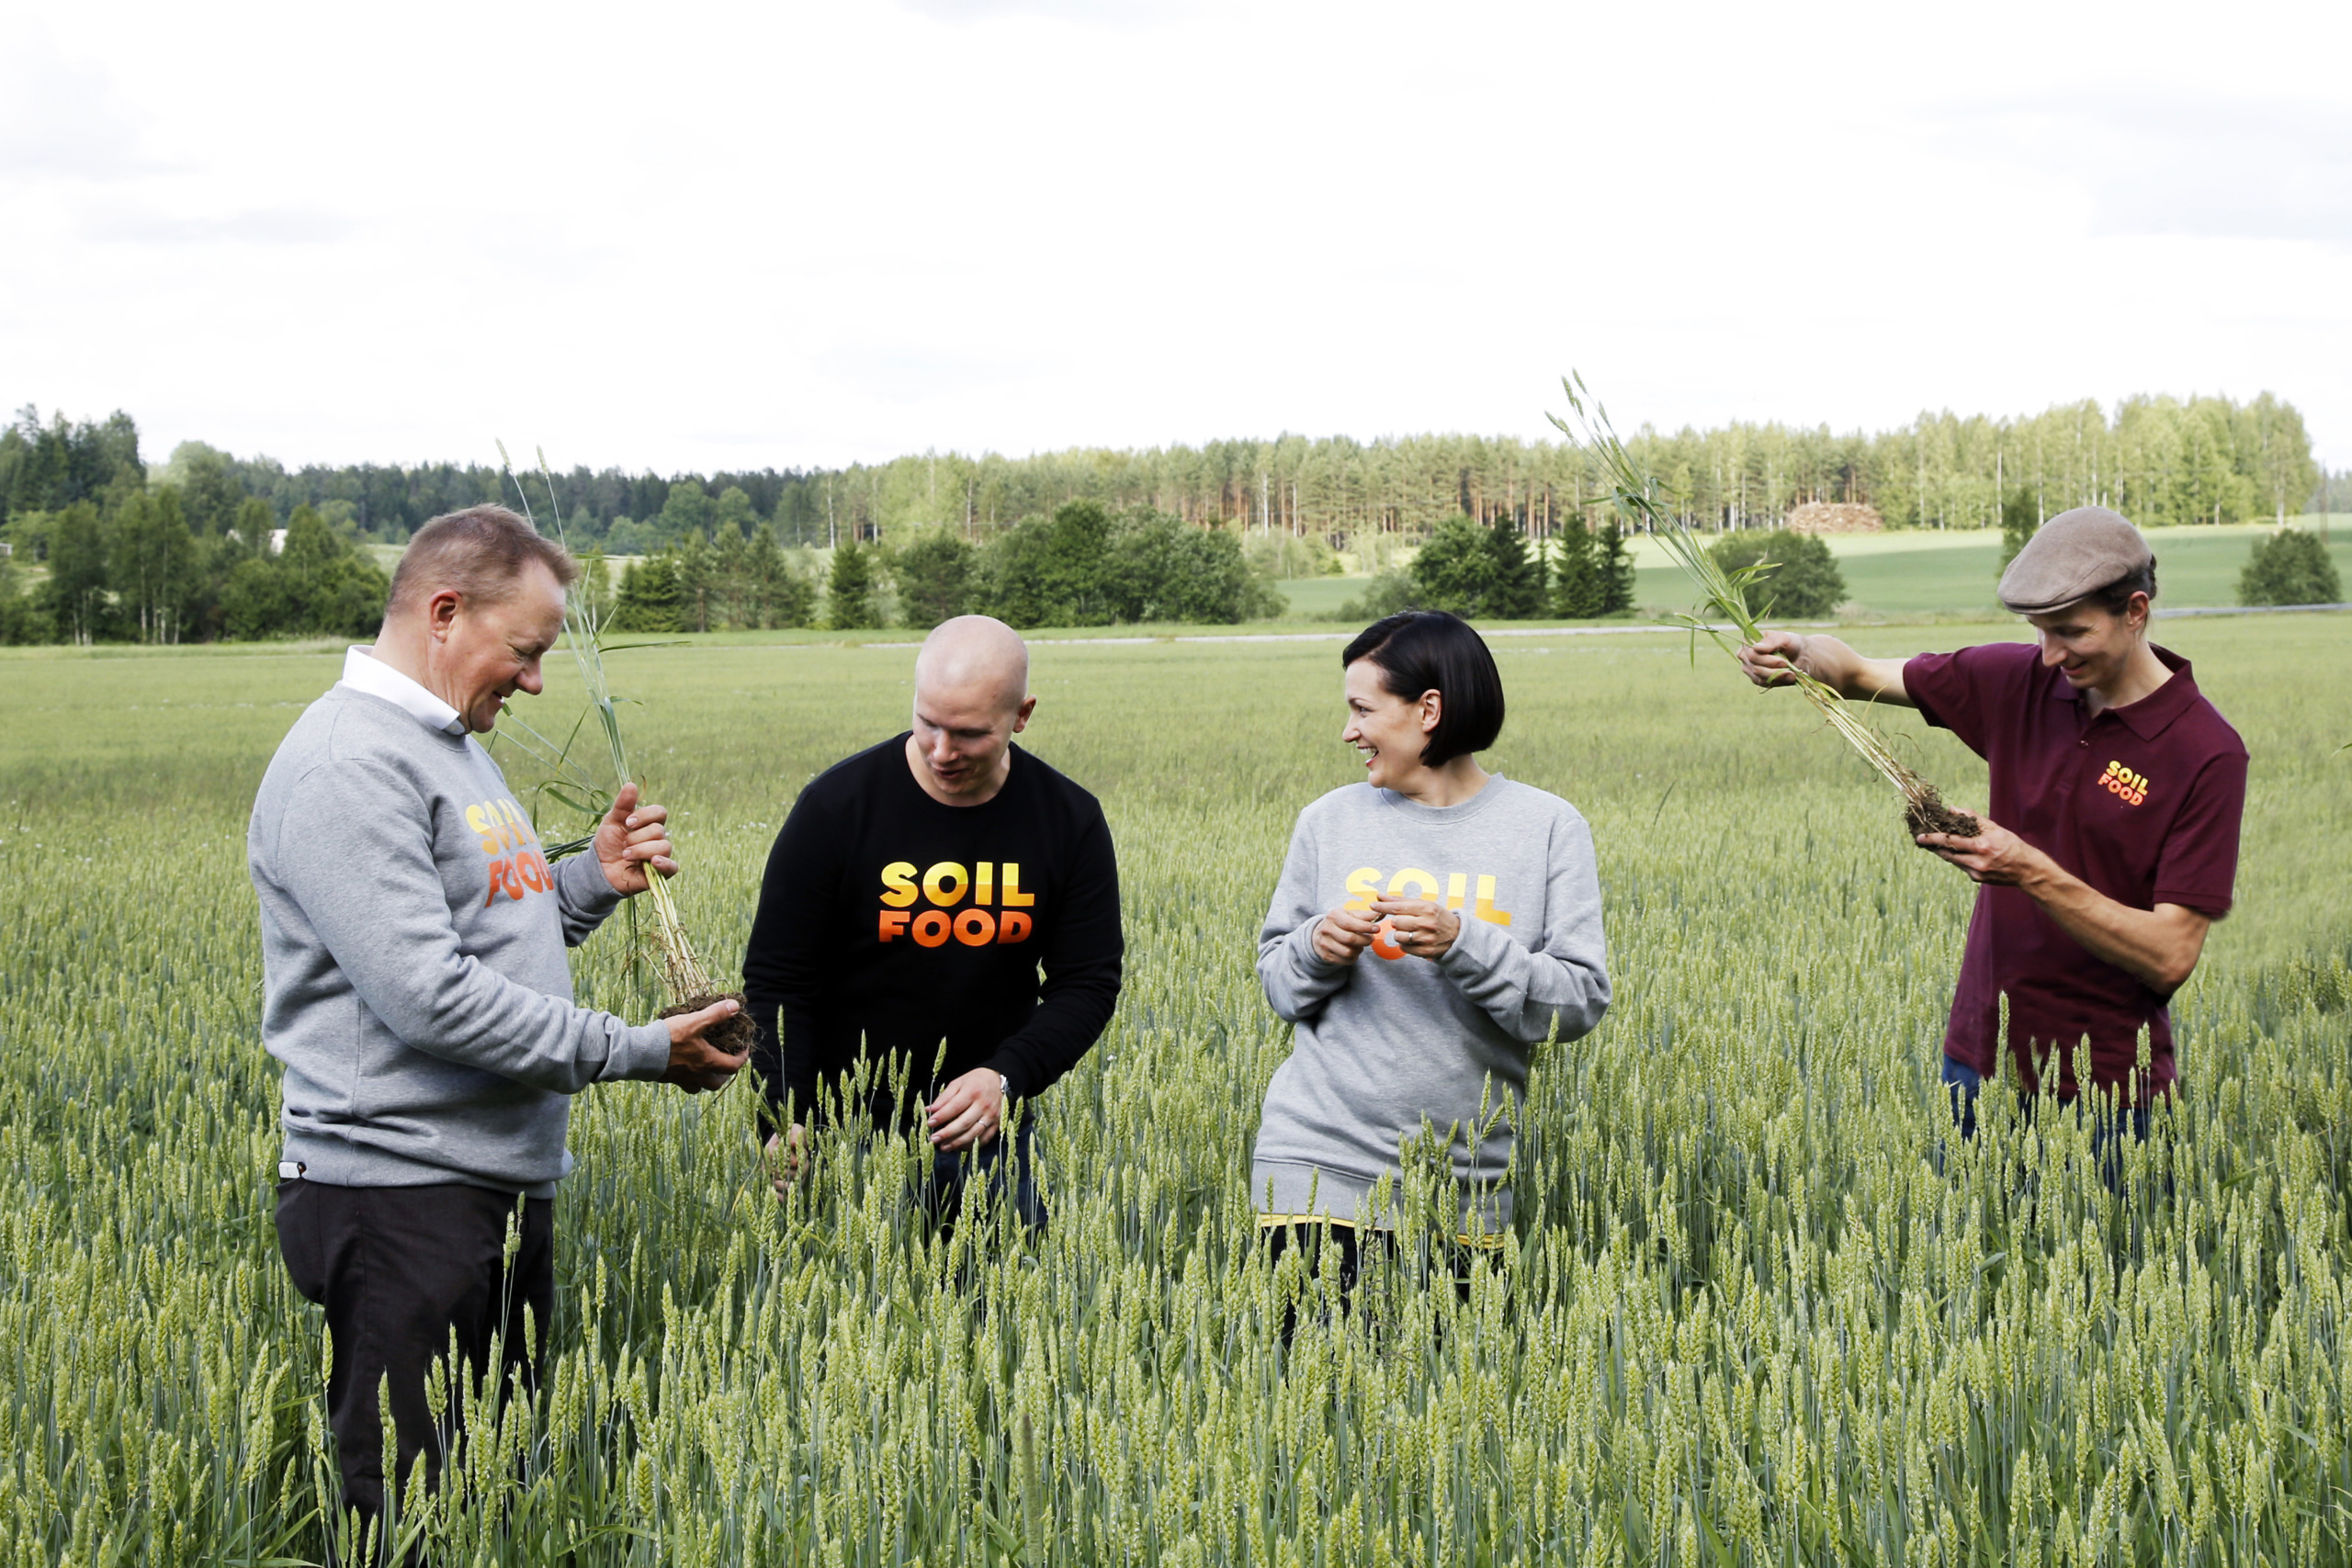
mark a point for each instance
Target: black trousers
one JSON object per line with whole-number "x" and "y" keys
{"x": 1010, "y": 1175}
{"x": 1357, "y": 1247}
{"x": 398, "y": 1269}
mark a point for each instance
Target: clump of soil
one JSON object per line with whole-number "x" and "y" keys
{"x": 1928, "y": 814}
{"x": 733, "y": 1035}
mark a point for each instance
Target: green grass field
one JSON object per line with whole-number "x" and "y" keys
{"x": 1744, "y": 1319}
{"x": 1923, "y": 574}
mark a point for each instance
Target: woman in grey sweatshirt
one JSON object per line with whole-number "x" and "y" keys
{"x": 1433, "y": 924}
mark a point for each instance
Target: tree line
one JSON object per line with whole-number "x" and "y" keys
{"x": 942, "y": 528}
{"x": 2161, "y": 460}
{"x": 125, "y": 560}
{"x": 1080, "y": 565}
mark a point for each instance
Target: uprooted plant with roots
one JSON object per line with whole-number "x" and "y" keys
{"x": 1725, "y": 598}
{"x": 684, "y": 982}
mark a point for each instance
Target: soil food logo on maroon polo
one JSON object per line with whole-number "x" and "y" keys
{"x": 2124, "y": 784}
{"x": 998, "y": 912}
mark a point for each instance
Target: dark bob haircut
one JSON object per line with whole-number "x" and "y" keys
{"x": 1430, "y": 650}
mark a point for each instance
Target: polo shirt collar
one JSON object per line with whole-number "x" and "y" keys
{"x": 363, "y": 671}
{"x": 2152, "y": 714}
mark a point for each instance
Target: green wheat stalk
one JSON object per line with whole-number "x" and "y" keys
{"x": 1723, "y": 596}
{"x": 682, "y": 973}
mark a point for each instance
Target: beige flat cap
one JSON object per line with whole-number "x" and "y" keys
{"x": 2074, "y": 555}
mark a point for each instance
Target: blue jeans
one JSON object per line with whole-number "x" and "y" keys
{"x": 1964, "y": 1083}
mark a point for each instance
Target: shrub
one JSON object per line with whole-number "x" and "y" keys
{"x": 1478, "y": 572}
{"x": 1163, "y": 569}
{"x": 1805, "y": 584}
{"x": 1083, "y": 567}
{"x": 1384, "y": 595}
{"x": 2290, "y": 566}
{"x": 1048, "y": 570}
{"x": 935, "y": 580}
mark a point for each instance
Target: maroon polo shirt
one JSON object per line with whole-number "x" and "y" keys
{"x": 2141, "y": 802}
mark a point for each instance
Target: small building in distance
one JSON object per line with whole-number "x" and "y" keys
{"x": 1834, "y": 517}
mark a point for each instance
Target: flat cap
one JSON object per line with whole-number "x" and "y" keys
{"x": 2074, "y": 555}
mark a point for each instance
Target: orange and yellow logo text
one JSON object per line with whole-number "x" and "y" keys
{"x": 1412, "y": 882}
{"x": 516, "y": 868}
{"x": 994, "y": 909}
{"x": 2122, "y": 782}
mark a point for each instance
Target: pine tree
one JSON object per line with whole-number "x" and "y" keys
{"x": 1614, "y": 559}
{"x": 849, "y": 597}
{"x": 1577, "y": 591}
{"x": 780, "y": 596}
{"x": 1514, "y": 588}
{"x": 648, "y": 600}
{"x": 696, "y": 568}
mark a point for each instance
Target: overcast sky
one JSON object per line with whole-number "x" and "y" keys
{"x": 700, "y": 236}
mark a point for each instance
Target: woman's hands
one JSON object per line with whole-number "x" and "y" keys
{"x": 1343, "y": 934}
{"x": 1421, "y": 928}
{"x": 1390, "y": 926}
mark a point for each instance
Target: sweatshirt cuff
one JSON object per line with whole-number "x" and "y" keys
{"x": 1311, "y": 963}
{"x": 1480, "y": 947}
{"x": 642, "y": 1051}
{"x": 580, "y": 878}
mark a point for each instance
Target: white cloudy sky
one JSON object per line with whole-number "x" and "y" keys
{"x": 786, "y": 233}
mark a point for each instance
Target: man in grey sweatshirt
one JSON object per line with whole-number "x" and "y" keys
{"x": 417, "y": 990}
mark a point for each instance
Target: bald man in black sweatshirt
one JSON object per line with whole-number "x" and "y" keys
{"x": 911, "y": 899}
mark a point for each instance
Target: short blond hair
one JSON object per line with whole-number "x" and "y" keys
{"x": 480, "y": 552}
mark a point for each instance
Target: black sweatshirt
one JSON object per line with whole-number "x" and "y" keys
{"x": 890, "y": 919}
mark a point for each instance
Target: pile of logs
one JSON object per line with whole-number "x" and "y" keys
{"x": 1834, "y": 517}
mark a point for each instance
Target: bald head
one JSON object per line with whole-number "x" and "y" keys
{"x": 974, "y": 659}
{"x": 971, "y": 698}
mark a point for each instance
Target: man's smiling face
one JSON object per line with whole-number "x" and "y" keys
{"x": 2091, "y": 647}
{"x": 492, "y": 649}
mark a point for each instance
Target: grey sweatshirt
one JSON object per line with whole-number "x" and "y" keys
{"x": 1381, "y": 1044}
{"x": 413, "y": 954}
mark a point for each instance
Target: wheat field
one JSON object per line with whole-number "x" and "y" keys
{"x": 1754, "y": 1310}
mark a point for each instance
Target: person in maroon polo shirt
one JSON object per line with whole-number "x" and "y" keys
{"x": 2111, "y": 845}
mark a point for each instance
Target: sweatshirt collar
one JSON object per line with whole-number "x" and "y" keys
{"x": 1469, "y": 807}
{"x": 364, "y": 672}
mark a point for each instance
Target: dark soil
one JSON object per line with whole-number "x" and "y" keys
{"x": 734, "y": 1035}
{"x": 1930, "y": 815}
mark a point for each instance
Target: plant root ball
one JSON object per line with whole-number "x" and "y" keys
{"x": 734, "y": 1035}
{"x": 1928, "y": 814}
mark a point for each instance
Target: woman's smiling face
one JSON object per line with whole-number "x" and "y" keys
{"x": 1390, "y": 731}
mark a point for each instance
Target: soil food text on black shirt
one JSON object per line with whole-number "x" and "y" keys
{"x": 890, "y": 919}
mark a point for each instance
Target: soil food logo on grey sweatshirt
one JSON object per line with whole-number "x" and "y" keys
{"x": 1364, "y": 887}
{"x": 507, "y": 838}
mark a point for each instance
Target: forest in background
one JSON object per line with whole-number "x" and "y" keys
{"x": 193, "y": 550}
